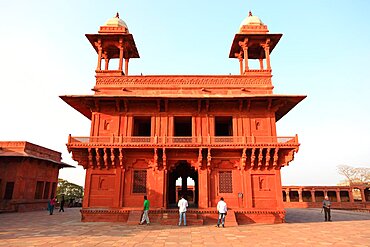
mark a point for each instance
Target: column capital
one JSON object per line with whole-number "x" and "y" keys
{"x": 244, "y": 44}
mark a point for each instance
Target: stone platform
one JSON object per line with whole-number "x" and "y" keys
{"x": 304, "y": 227}
{"x": 132, "y": 216}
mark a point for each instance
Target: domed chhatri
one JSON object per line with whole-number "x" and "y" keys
{"x": 251, "y": 20}
{"x": 114, "y": 25}
{"x": 115, "y": 22}
{"x": 252, "y": 24}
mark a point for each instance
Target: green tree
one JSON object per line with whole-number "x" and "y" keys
{"x": 70, "y": 190}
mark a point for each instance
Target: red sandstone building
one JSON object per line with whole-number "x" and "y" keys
{"x": 28, "y": 176}
{"x": 219, "y": 130}
{"x": 342, "y": 197}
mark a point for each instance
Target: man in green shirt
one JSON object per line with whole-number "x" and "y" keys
{"x": 146, "y": 211}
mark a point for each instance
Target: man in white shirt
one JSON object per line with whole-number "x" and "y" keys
{"x": 222, "y": 211}
{"x": 183, "y": 204}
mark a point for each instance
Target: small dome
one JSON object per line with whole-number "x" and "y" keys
{"x": 115, "y": 22}
{"x": 251, "y": 20}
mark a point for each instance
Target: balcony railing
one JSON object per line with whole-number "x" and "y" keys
{"x": 181, "y": 140}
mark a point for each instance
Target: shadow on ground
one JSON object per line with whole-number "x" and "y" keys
{"x": 305, "y": 215}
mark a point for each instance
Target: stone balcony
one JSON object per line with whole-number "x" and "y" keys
{"x": 182, "y": 141}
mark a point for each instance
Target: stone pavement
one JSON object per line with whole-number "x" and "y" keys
{"x": 304, "y": 227}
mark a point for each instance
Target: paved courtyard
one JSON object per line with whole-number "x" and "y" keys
{"x": 304, "y": 227}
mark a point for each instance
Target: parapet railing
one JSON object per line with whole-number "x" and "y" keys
{"x": 180, "y": 140}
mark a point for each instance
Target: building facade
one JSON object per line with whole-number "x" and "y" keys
{"x": 28, "y": 176}
{"x": 218, "y": 130}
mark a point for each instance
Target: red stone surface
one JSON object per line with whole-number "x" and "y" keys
{"x": 25, "y": 164}
{"x": 184, "y": 126}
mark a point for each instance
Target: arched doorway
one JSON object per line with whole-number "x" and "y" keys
{"x": 185, "y": 172}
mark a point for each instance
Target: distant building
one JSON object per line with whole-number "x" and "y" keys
{"x": 148, "y": 131}
{"x": 28, "y": 175}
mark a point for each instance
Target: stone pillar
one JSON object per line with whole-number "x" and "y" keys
{"x": 120, "y": 66}
{"x": 248, "y": 189}
{"x": 350, "y": 193}
{"x": 337, "y": 192}
{"x": 300, "y": 195}
{"x": 203, "y": 190}
{"x": 241, "y": 64}
{"x": 164, "y": 204}
{"x": 122, "y": 187}
{"x": 287, "y": 196}
{"x": 266, "y": 47}
{"x": 313, "y": 198}
{"x": 244, "y": 46}
{"x": 100, "y": 50}
{"x": 106, "y": 63}
{"x": 261, "y": 63}
{"x": 184, "y": 187}
{"x": 245, "y": 50}
{"x": 117, "y": 202}
{"x": 362, "y": 194}
{"x": 126, "y": 66}
{"x": 86, "y": 201}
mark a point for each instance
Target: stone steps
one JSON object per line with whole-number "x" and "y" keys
{"x": 134, "y": 217}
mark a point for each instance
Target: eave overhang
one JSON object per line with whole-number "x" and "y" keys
{"x": 255, "y": 51}
{"x": 282, "y": 103}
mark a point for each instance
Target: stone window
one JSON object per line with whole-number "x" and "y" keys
{"x": 139, "y": 181}
{"x": 225, "y": 182}
{"x": 39, "y": 189}
{"x": 182, "y": 126}
{"x": 46, "y": 190}
{"x": 142, "y": 126}
{"x": 9, "y": 191}
{"x": 223, "y": 126}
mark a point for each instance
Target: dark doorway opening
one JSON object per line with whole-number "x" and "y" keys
{"x": 190, "y": 190}
{"x": 223, "y": 126}
{"x": 183, "y": 126}
{"x": 142, "y": 126}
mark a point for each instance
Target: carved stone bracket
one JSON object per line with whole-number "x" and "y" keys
{"x": 164, "y": 159}
{"x": 209, "y": 158}
{"x": 200, "y": 158}
{"x": 243, "y": 160}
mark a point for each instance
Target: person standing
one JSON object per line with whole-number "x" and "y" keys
{"x": 326, "y": 204}
{"x": 51, "y": 205}
{"x": 62, "y": 201}
{"x": 222, "y": 212}
{"x": 145, "y": 212}
{"x": 183, "y": 204}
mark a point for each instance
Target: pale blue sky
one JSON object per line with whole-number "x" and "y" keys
{"x": 323, "y": 54}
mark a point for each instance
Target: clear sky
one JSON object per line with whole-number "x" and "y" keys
{"x": 324, "y": 54}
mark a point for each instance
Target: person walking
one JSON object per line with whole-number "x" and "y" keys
{"x": 51, "y": 205}
{"x": 326, "y": 204}
{"x": 62, "y": 201}
{"x": 222, "y": 212}
{"x": 145, "y": 212}
{"x": 183, "y": 204}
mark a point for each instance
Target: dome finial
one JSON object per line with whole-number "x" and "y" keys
{"x": 250, "y": 13}
{"x": 117, "y": 15}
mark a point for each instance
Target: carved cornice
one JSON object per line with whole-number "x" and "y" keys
{"x": 262, "y": 77}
